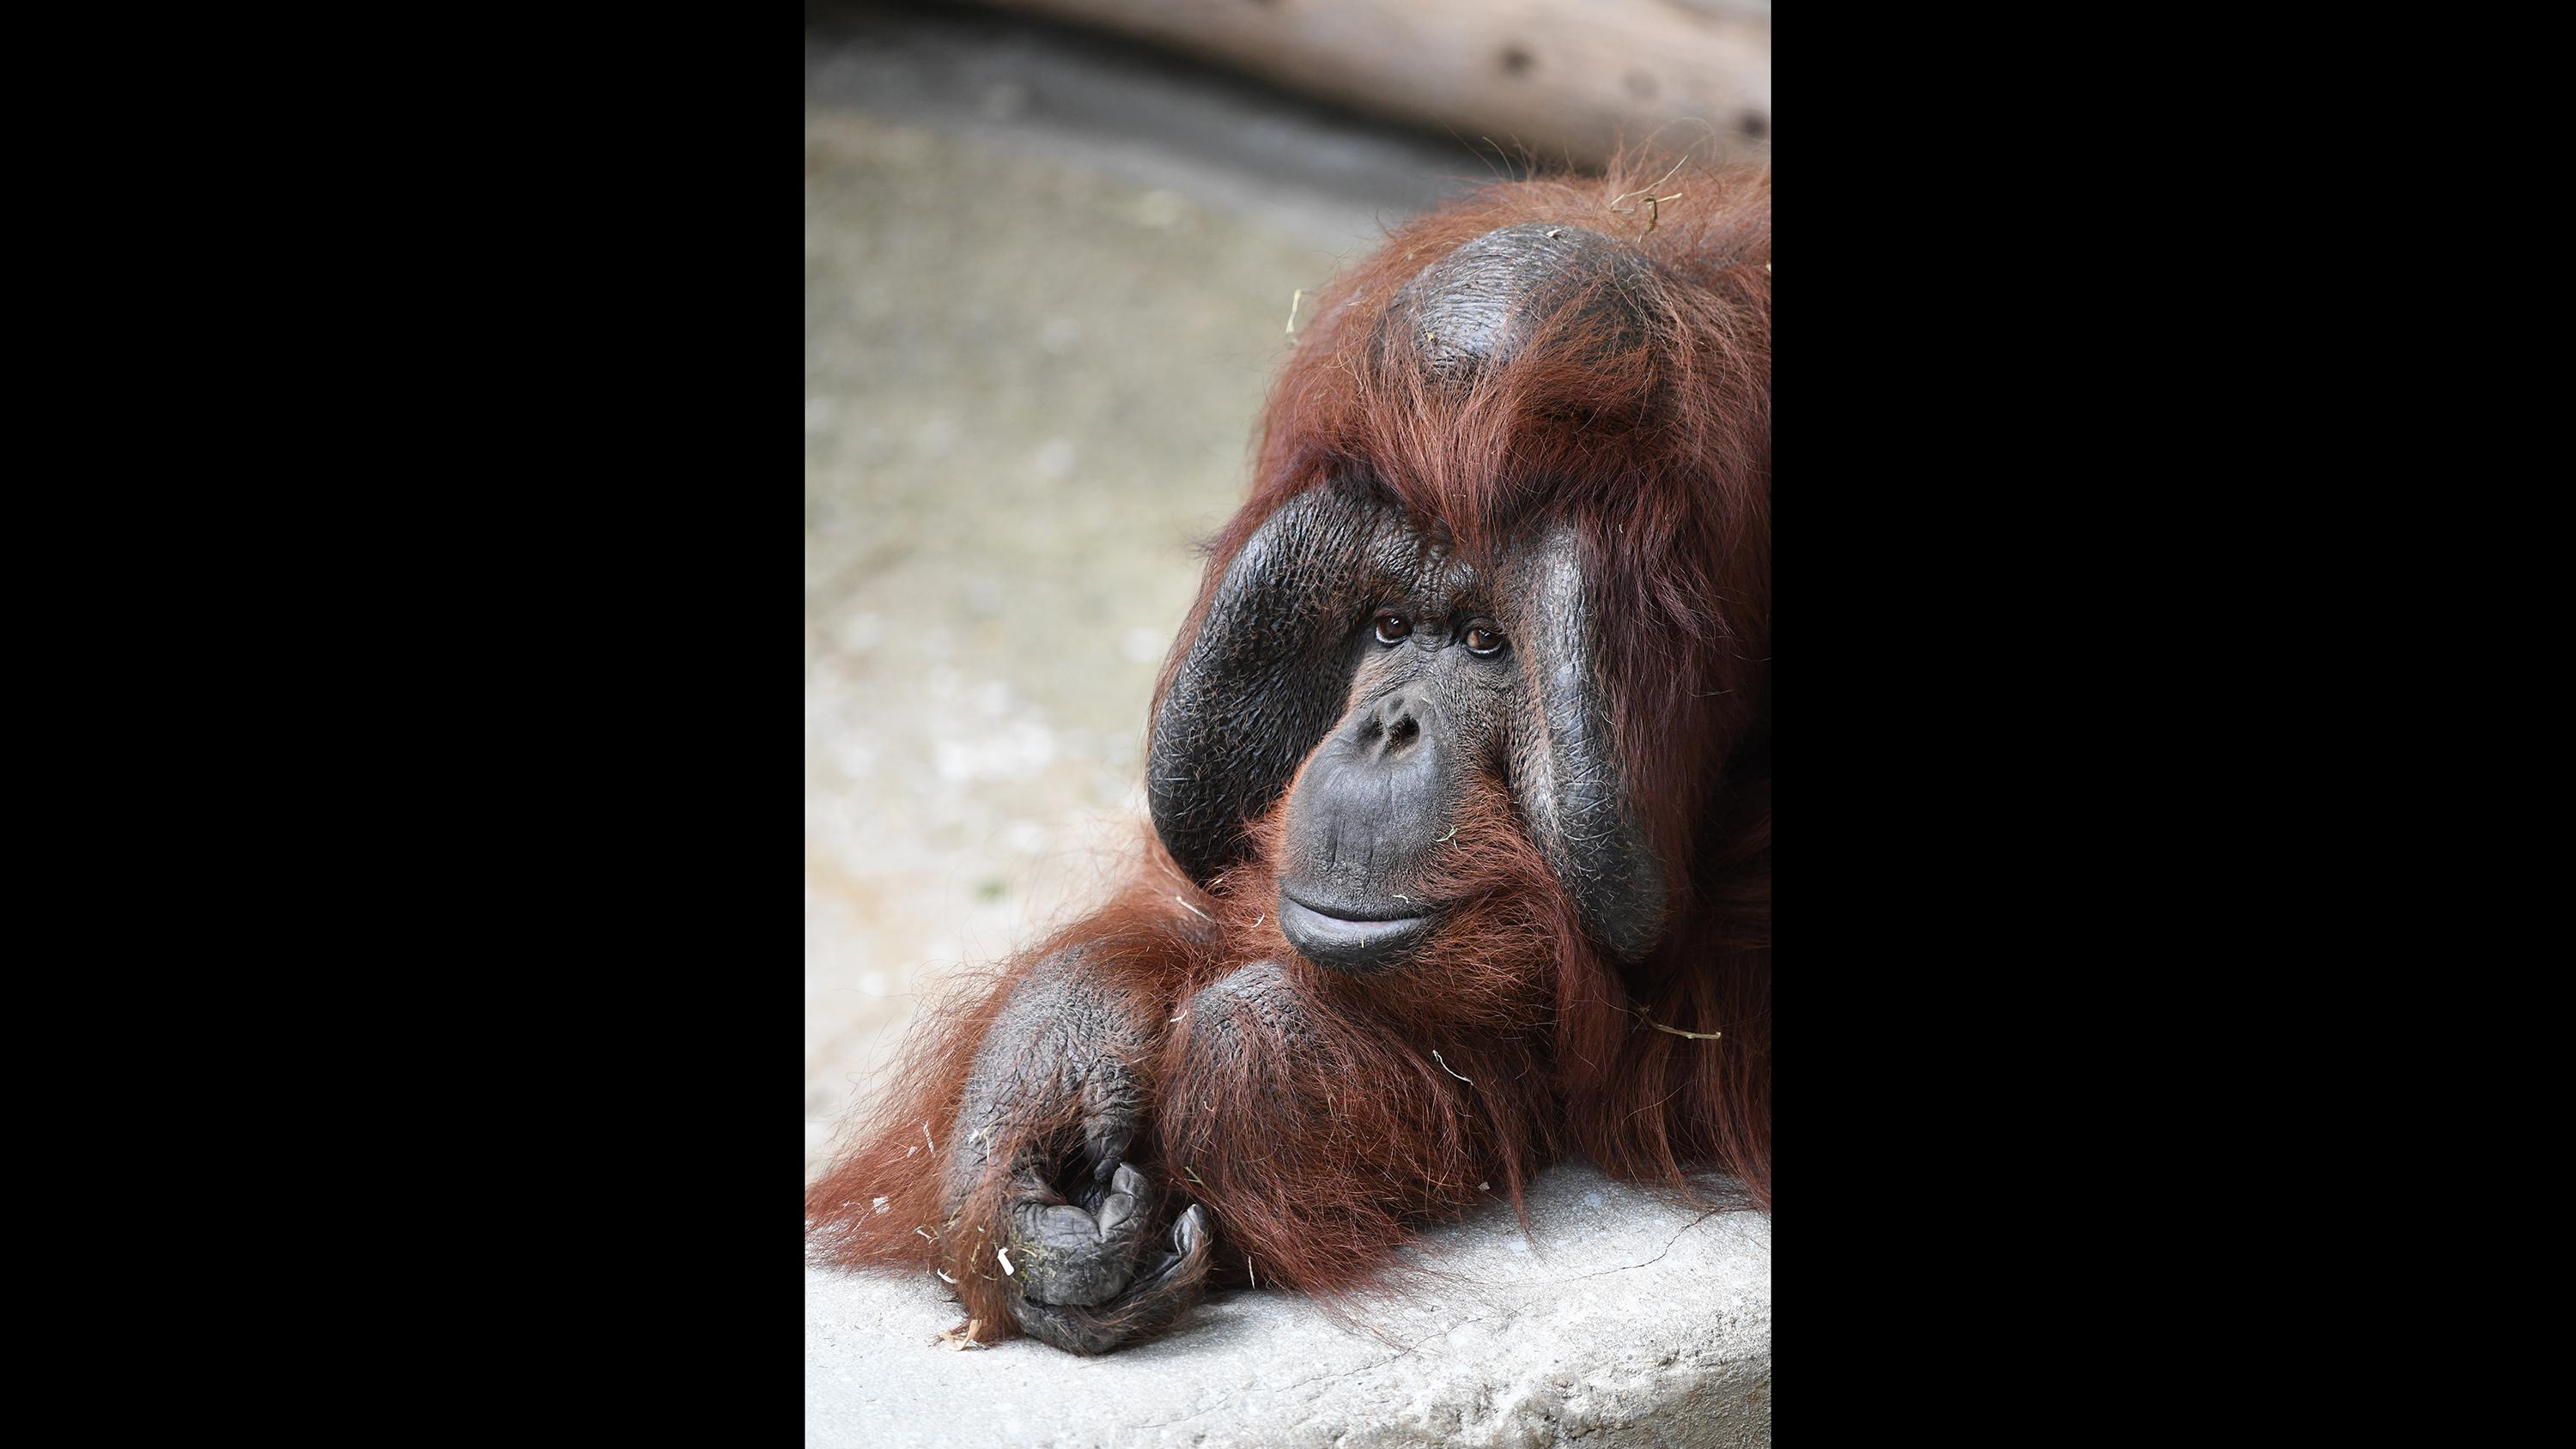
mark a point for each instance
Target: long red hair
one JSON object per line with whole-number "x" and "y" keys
{"x": 1320, "y": 1136}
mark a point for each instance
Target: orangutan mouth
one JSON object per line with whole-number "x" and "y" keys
{"x": 1345, "y": 937}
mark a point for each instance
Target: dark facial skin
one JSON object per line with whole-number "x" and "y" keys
{"x": 1432, "y": 697}
{"x": 1290, "y": 664}
{"x": 1291, "y": 677}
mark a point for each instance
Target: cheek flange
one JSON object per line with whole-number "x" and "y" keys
{"x": 1567, "y": 776}
{"x": 1266, "y": 676}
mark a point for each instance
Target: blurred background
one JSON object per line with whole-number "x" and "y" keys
{"x": 1050, "y": 250}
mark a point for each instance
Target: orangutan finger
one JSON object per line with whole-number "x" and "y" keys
{"x": 1080, "y": 1254}
{"x": 1191, "y": 1246}
{"x": 1150, "y": 1304}
{"x": 1122, "y": 1210}
{"x": 1106, "y": 1144}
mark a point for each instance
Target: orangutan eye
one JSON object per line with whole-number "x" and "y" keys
{"x": 1484, "y": 639}
{"x": 1392, "y": 627}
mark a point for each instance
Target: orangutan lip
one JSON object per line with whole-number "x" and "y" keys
{"x": 1352, "y": 915}
{"x": 1335, "y": 940}
{"x": 1313, "y": 919}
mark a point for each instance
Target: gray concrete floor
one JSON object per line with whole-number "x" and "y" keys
{"x": 1621, "y": 1320}
{"x": 1046, "y": 281}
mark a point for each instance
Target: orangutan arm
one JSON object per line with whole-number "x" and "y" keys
{"x": 1039, "y": 1162}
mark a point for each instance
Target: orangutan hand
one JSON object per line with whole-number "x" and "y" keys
{"x": 1091, "y": 1255}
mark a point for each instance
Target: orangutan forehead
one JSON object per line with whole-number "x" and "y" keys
{"x": 1418, "y": 564}
{"x": 1407, "y": 560}
{"x": 1489, "y": 299}
{"x": 1442, "y": 581}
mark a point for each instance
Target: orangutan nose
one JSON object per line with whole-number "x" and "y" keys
{"x": 1392, "y": 727}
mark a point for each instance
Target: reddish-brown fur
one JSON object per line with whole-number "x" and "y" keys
{"x": 1319, "y": 1155}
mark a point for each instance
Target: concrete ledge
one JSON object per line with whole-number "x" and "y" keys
{"x": 1629, "y": 1322}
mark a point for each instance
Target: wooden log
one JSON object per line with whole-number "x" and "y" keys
{"x": 1564, "y": 79}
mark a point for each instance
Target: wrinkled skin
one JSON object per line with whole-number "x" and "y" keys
{"x": 1479, "y": 677}
{"x": 1351, "y": 662}
{"x": 1091, "y": 1269}
{"x": 1416, "y": 716}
